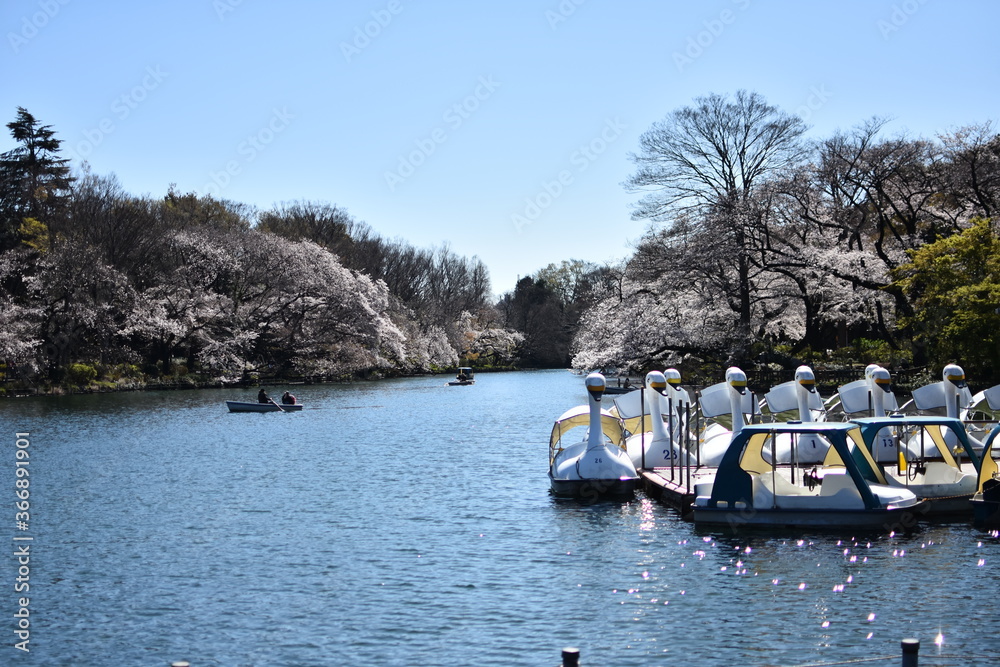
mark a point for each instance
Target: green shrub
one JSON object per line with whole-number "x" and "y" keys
{"x": 81, "y": 375}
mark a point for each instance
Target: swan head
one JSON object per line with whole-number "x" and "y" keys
{"x": 673, "y": 377}
{"x": 656, "y": 381}
{"x": 954, "y": 374}
{"x": 869, "y": 369}
{"x": 595, "y": 386}
{"x": 881, "y": 379}
{"x": 737, "y": 379}
{"x": 806, "y": 379}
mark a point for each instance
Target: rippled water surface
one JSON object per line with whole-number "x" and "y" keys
{"x": 404, "y": 522}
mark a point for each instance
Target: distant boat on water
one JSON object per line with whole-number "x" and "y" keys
{"x": 464, "y": 377}
{"x": 254, "y": 406}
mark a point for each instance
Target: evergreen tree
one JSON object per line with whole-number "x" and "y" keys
{"x": 34, "y": 182}
{"x": 954, "y": 284}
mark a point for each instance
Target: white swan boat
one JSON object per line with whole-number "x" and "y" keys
{"x": 873, "y": 394}
{"x": 798, "y": 397}
{"x": 656, "y": 416}
{"x": 951, "y": 395}
{"x": 598, "y": 465}
{"x": 981, "y": 411}
{"x": 848, "y": 491}
{"x": 726, "y": 398}
{"x": 928, "y": 459}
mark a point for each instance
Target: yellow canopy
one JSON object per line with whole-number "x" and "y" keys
{"x": 580, "y": 416}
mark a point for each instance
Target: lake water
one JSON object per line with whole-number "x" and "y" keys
{"x": 404, "y": 522}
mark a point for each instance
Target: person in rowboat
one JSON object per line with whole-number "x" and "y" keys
{"x": 287, "y": 398}
{"x": 262, "y": 396}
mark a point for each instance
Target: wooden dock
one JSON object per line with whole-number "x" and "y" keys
{"x": 676, "y": 486}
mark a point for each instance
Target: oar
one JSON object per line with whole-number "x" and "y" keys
{"x": 276, "y": 404}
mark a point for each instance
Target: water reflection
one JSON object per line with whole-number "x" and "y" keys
{"x": 399, "y": 522}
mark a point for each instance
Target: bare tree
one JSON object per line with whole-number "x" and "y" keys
{"x": 705, "y": 163}
{"x": 973, "y": 172}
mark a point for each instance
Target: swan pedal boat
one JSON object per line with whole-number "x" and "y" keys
{"x": 254, "y": 406}
{"x": 597, "y": 466}
{"x": 847, "y": 490}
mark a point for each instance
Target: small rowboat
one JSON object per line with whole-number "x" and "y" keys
{"x": 248, "y": 406}
{"x": 464, "y": 378}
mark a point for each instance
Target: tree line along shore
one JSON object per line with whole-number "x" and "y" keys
{"x": 763, "y": 249}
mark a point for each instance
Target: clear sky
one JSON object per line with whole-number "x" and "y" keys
{"x": 500, "y": 128}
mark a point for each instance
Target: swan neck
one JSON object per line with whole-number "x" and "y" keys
{"x": 737, "y": 410}
{"x": 596, "y": 436}
{"x": 656, "y": 412}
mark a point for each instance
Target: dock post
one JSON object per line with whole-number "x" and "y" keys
{"x": 570, "y": 657}
{"x": 911, "y": 649}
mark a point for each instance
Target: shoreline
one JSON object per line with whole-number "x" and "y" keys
{"x": 180, "y": 384}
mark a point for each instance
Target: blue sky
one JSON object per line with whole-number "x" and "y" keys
{"x": 500, "y": 128}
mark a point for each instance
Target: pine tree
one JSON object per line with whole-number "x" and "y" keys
{"x": 34, "y": 182}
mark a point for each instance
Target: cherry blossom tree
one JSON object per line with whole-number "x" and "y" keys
{"x": 703, "y": 165}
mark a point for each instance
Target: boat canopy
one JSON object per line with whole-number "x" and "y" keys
{"x": 855, "y": 397}
{"x": 745, "y": 458}
{"x": 932, "y": 396}
{"x": 988, "y": 468}
{"x": 930, "y": 431}
{"x": 784, "y": 398}
{"x": 580, "y": 416}
{"x": 714, "y": 401}
{"x": 986, "y": 402}
{"x": 635, "y": 412}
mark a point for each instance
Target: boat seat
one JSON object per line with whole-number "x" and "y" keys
{"x": 766, "y": 488}
{"x": 940, "y": 479}
{"x": 833, "y": 483}
{"x": 836, "y": 492}
{"x": 939, "y": 472}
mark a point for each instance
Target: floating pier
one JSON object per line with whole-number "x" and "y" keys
{"x": 676, "y": 486}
